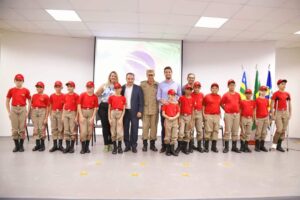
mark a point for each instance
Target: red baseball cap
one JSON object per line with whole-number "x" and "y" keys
{"x": 40, "y": 84}
{"x": 230, "y": 81}
{"x": 90, "y": 84}
{"x": 248, "y": 91}
{"x": 263, "y": 88}
{"x": 71, "y": 84}
{"x": 117, "y": 86}
{"x": 281, "y": 81}
{"x": 58, "y": 84}
{"x": 19, "y": 77}
{"x": 171, "y": 92}
{"x": 188, "y": 87}
{"x": 214, "y": 85}
{"x": 197, "y": 84}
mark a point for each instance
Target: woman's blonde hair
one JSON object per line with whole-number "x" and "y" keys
{"x": 108, "y": 80}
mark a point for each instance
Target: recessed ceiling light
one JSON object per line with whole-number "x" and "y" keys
{"x": 210, "y": 22}
{"x": 298, "y": 32}
{"x": 64, "y": 15}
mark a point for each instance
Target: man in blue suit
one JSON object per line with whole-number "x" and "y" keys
{"x": 134, "y": 109}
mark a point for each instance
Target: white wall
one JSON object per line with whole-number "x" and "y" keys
{"x": 45, "y": 58}
{"x": 288, "y": 66}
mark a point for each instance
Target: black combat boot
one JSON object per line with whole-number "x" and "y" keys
{"x": 257, "y": 146}
{"x": 37, "y": 145}
{"x": 54, "y": 148}
{"x": 163, "y": 148}
{"x": 16, "y": 149}
{"x": 82, "y": 151}
{"x": 145, "y": 145}
{"x": 21, "y": 147}
{"x": 120, "y": 150}
{"x": 71, "y": 150}
{"x": 115, "y": 149}
{"x": 214, "y": 146}
{"x": 279, "y": 148}
{"x": 185, "y": 148}
{"x": 87, "y": 146}
{"x": 60, "y": 146}
{"x": 191, "y": 146}
{"x": 168, "y": 150}
{"x": 262, "y": 146}
{"x": 172, "y": 149}
{"x": 42, "y": 145}
{"x": 67, "y": 149}
{"x": 199, "y": 148}
{"x": 152, "y": 145}
{"x": 242, "y": 149}
{"x": 247, "y": 150}
{"x": 179, "y": 147}
{"x": 206, "y": 146}
{"x": 226, "y": 149}
{"x": 234, "y": 148}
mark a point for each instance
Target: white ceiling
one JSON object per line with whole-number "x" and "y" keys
{"x": 249, "y": 20}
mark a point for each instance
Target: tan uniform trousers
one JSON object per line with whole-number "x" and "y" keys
{"x": 171, "y": 131}
{"x": 86, "y": 128}
{"x": 198, "y": 124}
{"x": 39, "y": 128}
{"x": 212, "y": 126}
{"x": 150, "y": 125}
{"x": 232, "y": 125}
{"x": 69, "y": 125}
{"x": 246, "y": 128}
{"x": 185, "y": 128}
{"x": 116, "y": 126}
{"x": 18, "y": 122}
{"x": 56, "y": 125}
{"x": 281, "y": 121}
{"x": 261, "y": 128}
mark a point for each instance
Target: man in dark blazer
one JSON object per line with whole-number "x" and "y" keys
{"x": 134, "y": 109}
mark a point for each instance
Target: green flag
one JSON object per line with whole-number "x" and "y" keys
{"x": 256, "y": 92}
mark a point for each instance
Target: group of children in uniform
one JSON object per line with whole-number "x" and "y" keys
{"x": 191, "y": 111}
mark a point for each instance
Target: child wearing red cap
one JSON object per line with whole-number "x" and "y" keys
{"x": 186, "y": 103}
{"x": 211, "y": 113}
{"x": 70, "y": 117}
{"x": 55, "y": 110}
{"x": 39, "y": 116}
{"x": 231, "y": 104}
{"x": 247, "y": 116}
{"x": 16, "y": 108}
{"x": 171, "y": 112}
{"x": 261, "y": 119}
{"x": 281, "y": 109}
{"x": 87, "y": 108}
{"x": 198, "y": 115}
{"x": 116, "y": 108}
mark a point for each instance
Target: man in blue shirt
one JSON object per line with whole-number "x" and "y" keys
{"x": 162, "y": 97}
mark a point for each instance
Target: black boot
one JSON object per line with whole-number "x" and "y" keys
{"x": 67, "y": 149}
{"x": 242, "y": 149}
{"x": 168, "y": 150}
{"x": 234, "y": 148}
{"x": 152, "y": 145}
{"x": 120, "y": 150}
{"x": 145, "y": 145}
{"x": 257, "y": 146}
{"x": 179, "y": 147}
{"x": 16, "y": 149}
{"x": 247, "y": 150}
{"x": 115, "y": 150}
{"x": 214, "y": 146}
{"x": 226, "y": 149}
{"x": 71, "y": 150}
{"x": 60, "y": 146}
{"x": 21, "y": 147}
{"x": 42, "y": 145}
{"x": 191, "y": 146}
{"x": 172, "y": 150}
{"x": 37, "y": 145}
{"x": 206, "y": 146}
{"x": 199, "y": 148}
{"x": 163, "y": 148}
{"x": 54, "y": 148}
{"x": 262, "y": 146}
{"x": 82, "y": 148}
{"x": 279, "y": 148}
{"x": 185, "y": 148}
{"x": 87, "y": 145}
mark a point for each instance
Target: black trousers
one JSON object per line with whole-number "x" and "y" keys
{"x": 162, "y": 121}
{"x": 131, "y": 126}
{"x": 103, "y": 114}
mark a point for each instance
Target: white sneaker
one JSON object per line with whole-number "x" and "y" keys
{"x": 274, "y": 146}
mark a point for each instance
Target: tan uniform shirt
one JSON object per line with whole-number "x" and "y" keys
{"x": 150, "y": 102}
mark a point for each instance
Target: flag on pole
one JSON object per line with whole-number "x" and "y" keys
{"x": 269, "y": 85}
{"x": 243, "y": 86}
{"x": 256, "y": 86}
